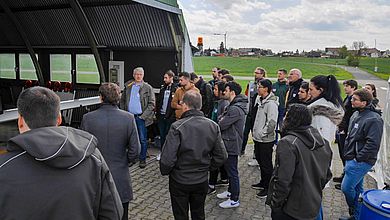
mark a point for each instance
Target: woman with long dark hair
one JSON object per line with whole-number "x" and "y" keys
{"x": 326, "y": 105}
{"x": 302, "y": 168}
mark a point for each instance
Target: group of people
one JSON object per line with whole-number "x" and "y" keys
{"x": 204, "y": 128}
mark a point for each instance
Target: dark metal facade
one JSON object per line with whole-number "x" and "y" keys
{"x": 119, "y": 25}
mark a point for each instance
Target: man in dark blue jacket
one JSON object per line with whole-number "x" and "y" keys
{"x": 361, "y": 148}
{"x": 232, "y": 129}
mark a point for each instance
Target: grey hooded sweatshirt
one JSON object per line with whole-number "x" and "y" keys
{"x": 56, "y": 173}
{"x": 302, "y": 169}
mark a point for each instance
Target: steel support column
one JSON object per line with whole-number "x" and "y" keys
{"x": 87, "y": 29}
{"x": 26, "y": 41}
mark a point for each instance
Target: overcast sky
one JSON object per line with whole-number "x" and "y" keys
{"x": 288, "y": 24}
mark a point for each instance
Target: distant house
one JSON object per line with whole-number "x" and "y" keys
{"x": 332, "y": 52}
{"x": 370, "y": 52}
{"x": 385, "y": 53}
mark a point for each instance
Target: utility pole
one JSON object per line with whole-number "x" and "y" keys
{"x": 376, "y": 60}
{"x": 224, "y": 34}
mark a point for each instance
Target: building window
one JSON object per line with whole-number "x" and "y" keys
{"x": 7, "y": 66}
{"x": 86, "y": 69}
{"x": 60, "y": 67}
{"x": 26, "y": 67}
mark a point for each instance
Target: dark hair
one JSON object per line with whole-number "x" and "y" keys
{"x": 330, "y": 88}
{"x": 193, "y": 100}
{"x": 297, "y": 115}
{"x": 223, "y": 72}
{"x": 364, "y": 95}
{"x": 234, "y": 86}
{"x": 110, "y": 93}
{"x": 266, "y": 83}
{"x": 283, "y": 70}
{"x": 193, "y": 76}
{"x": 228, "y": 77}
{"x": 170, "y": 73}
{"x": 220, "y": 85}
{"x": 352, "y": 83}
{"x": 373, "y": 88}
{"x": 305, "y": 86}
{"x": 185, "y": 75}
{"x": 39, "y": 106}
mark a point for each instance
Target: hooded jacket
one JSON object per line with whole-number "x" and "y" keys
{"x": 266, "y": 118}
{"x": 232, "y": 124}
{"x": 193, "y": 147}
{"x": 302, "y": 169}
{"x": 364, "y": 136}
{"x": 56, "y": 173}
{"x": 326, "y": 117}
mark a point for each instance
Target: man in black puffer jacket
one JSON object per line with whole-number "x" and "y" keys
{"x": 361, "y": 148}
{"x": 302, "y": 168}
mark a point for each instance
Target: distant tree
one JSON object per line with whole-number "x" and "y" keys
{"x": 222, "y": 48}
{"x": 343, "y": 52}
{"x": 358, "y": 46}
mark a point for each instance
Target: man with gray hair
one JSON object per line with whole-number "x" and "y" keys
{"x": 294, "y": 83}
{"x": 116, "y": 132}
{"x": 138, "y": 99}
{"x": 51, "y": 172}
{"x": 192, "y": 148}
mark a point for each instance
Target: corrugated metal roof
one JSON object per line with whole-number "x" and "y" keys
{"x": 34, "y": 3}
{"x": 52, "y": 28}
{"x": 8, "y": 33}
{"x": 132, "y": 25}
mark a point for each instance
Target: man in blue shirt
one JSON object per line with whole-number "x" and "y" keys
{"x": 138, "y": 99}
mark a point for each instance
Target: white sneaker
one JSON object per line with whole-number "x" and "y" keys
{"x": 253, "y": 163}
{"x": 229, "y": 204}
{"x": 158, "y": 157}
{"x": 224, "y": 195}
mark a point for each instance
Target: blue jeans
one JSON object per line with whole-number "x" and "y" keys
{"x": 234, "y": 181}
{"x": 142, "y": 134}
{"x": 164, "y": 125}
{"x": 352, "y": 185}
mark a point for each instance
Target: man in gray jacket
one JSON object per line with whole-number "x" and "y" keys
{"x": 51, "y": 172}
{"x": 117, "y": 134}
{"x": 232, "y": 128}
{"x": 192, "y": 148}
{"x": 138, "y": 99}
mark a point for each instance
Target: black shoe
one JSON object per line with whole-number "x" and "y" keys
{"x": 222, "y": 183}
{"x": 211, "y": 191}
{"x": 258, "y": 186}
{"x": 142, "y": 164}
{"x": 338, "y": 186}
{"x": 338, "y": 179}
{"x": 262, "y": 194}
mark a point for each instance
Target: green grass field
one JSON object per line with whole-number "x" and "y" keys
{"x": 244, "y": 66}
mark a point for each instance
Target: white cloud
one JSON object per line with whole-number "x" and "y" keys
{"x": 310, "y": 24}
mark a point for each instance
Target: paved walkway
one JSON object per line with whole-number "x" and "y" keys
{"x": 152, "y": 200}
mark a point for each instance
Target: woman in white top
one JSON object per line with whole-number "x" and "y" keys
{"x": 326, "y": 105}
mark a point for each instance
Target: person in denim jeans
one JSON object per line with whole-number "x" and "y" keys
{"x": 138, "y": 99}
{"x": 361, "y": 148}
